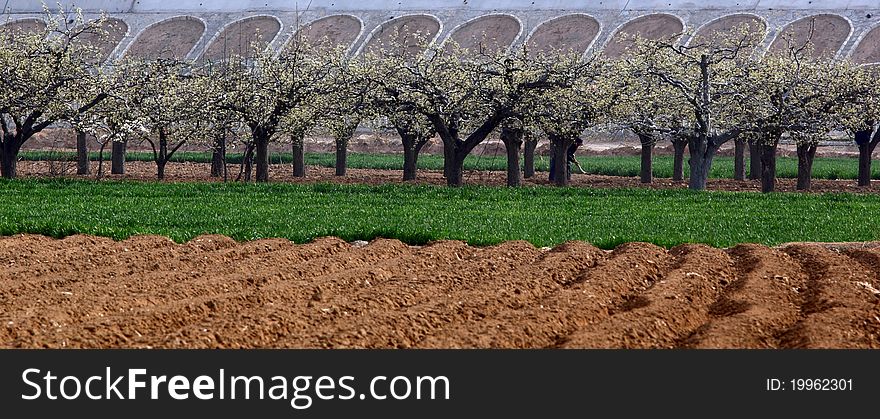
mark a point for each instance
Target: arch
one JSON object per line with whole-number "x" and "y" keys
{"x": 574, "y": 32}
{"x": 868, "y": 49}
{"x": 116, "y": 30}
{"x": 329, "y": 32}
{"x": 405, "y": 31}
{"x": 492, "y": 32}
{"x": 829, "y": 33}
{"x": 710, "y": 32}
{"x": 175, "y": 37}
{"x": 653, "y": 26}
{"x": 236, "y": 38}
{"x": 29, "y": 25}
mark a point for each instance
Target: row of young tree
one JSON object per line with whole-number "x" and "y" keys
{"x": 696, "y": 96}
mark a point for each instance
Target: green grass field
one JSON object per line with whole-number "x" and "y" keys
{"x": 823, "y": 168}
{"x": 544, "y": 216}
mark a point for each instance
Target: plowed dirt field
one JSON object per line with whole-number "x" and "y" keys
{"x": 213, "y": 292}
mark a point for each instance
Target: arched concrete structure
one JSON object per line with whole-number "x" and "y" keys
{"x": 868, "y": 49}
{"x": 171, "y": 38}
{"x": 653, "y": 26}
{"x": 328, "y": 32}
{"x": 23, "y": 25}
{"x": 116, "y": 30}
{"x": 237, "y": 37}
{"x": 539, "y": 17}
{"x": 574, "y": 32}
{"x": 717, "y": 29}
{"x": 826, "y": 33}
{"x": 487, "y": 33}
{"x": 408, "y": 33}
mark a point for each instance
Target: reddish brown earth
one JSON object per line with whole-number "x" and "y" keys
{"x": 282, "y": 173}
{"x": 148, "y": 292}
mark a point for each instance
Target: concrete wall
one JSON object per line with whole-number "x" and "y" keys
{"x": 863, "y": 15}
{"x": 153, "y": 6}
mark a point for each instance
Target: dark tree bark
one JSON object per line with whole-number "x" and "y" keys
{"x": 865, "y": 152}
{"x": 299, "y": 157}
{"x": 163, "y": 155}
{"x": 117, "y": 158}
{"x": 559, "y": 149}
{"x": 678, "y": 147}
{"x": 448, "y": 157}
{"x": 768, "y": 167}
{"x": 867, "y": 144}
{"x": 82, "y": 154}
{"x": 101, "y": 160}
{"x": 805, "y": 153}
{"x": 247, "y": 163}
{"x": 261, "y": 146}
{"x": 754, "y": 160}
{"x": 529, "y": 147}
{"x": 412, "y": 146}
{"x": 454, "y": 168}
{"x": 646, "y": 173}
{"x": 160, "y": 169}
{"x": 739, "y": 160}
{"x": 218, "y": 156}
{"x": 512, "y": 139}
{"x": 410, "y": 163}
{"x": 702, "y": 149}
{"x": 9, "y": 157}
{"x": 341, "y": 157}
{"x": 456, "y": 149}
{"x": 702, "y": 152}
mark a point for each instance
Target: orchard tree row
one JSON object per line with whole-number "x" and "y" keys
{"x": 697, "y": 96}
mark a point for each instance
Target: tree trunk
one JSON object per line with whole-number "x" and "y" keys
{"x": 82, "y": 154}
{"x": 699, "y": 163}
{"x": 261, "y": 143}
{"x": 647, "y": 167}
{"x": 117, "y": 158}
{"x": 805, "y": 153}
{"x": 410, "y": 162}
{"x": 754, "y": 161}
{"x": 9, "y": 159}
{"x": 101, "y": 160}
{"x": 299, "y": 157}
{"x": 512, "y": 139}
{"x": 768, "y": 168}
{"x": 218, "y": 156}
{"x": 701, "y": 155}
{"x": 678, "y": 160}
{"x": 448, "y": 159}
{"x": 412, "y": 146}
{"x": 454, "y": 168}
{"x": 739, "y": 160}
{"x": 160, "y": 169}
{"x": 559, "y": 149}
{"x": 341, "y": 157}
{"x": 247, "y": 163}
{"x": 865, "y": 164}
{"x": 529, "y": 158}
{"x": 162, "y": 158}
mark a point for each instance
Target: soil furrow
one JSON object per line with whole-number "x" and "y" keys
{"x": 762, "y": 303}
{"x": 672, "y": 309}
{"x": 159, "y": 295}
{"x": 215, "y": 293}
{"x": 839, "y": 311}
{"x": 402, "y": 310}
{"x": 612, "y": 284}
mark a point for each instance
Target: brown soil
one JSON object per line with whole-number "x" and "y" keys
{"x": 282, "y": 173}
{"x": 148, "y": 292}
